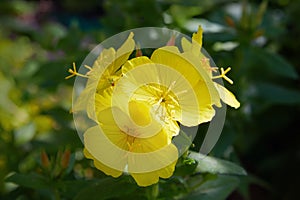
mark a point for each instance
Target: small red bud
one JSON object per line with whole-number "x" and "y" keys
{"x": 65, "y": 159}
{"x": 45, "y": 159}
{"x": 229, "y": 21}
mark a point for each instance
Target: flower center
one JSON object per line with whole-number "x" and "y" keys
{"x": 164, "y": 102}
{"x": 130, "y": 142}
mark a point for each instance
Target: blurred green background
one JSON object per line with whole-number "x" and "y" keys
{"x": 39, "y": 40}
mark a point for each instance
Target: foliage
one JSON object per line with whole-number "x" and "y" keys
{"x": 41, "y": 154}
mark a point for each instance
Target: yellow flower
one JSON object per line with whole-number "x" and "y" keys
{"x": 102, "y": 78}
{"x": 139, "y": 103}
{"x": 117, "y": 144}
{"x": 172, "y": 85}
{"x": 193, "y": 50}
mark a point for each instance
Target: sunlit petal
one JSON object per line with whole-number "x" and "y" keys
{"x": 107, "y": 170}
{"x": 227, "y": 96}
{"x": 150, "y": 178}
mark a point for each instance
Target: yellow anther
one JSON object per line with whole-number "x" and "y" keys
{"x": 223, "y": 75}
{"x": 155, "y": 88}
{"x": 74, "y": 72}
{"x": 129, "y": 145}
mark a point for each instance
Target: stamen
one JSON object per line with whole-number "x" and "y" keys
{"x": 155, "y": 88}
{"x": 173, "y": 99}
{"x": 181, "y": 92}
{"x": 214, "y": 69}
{"x": 88, "y": 67}
{"x": 74, "y": 72}
{"x": 223, "y": 75}
{"x": 169, "y": 89}
{"x": 129, "y": 145}
{"x": 205, "y": 63}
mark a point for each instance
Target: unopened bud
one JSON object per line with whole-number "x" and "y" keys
{"x": 65, "y": 159}
{"x": 45, "y": 159}
{"x": 229, "y": 21}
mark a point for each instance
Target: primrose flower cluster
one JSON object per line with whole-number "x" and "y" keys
{"x": 138, "y": 103}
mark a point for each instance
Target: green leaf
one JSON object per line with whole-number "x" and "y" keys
{"x": 204, "y": 4}
{"x": 106, "y": 188}
{"x": 277, "y": 94}
{"x": 215, "y": 188}
{"x": 207, "y": 164}
{"x": 275, "y": 63}
{"x": 71, "y": 188}
{"x": 260, "y": 13}
{"x": 31, "y": 180}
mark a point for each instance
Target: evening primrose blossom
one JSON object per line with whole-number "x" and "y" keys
{"x": 139, "y": 105}
{"x": 118, "y": 148}
{"x": 176, "y": 91}
{"x": 193, "y": 49}
{"x": 101, "y": 78}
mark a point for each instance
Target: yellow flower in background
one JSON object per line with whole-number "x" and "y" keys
{"x": 193, "y": 50}
{"x": 124, "y": 147}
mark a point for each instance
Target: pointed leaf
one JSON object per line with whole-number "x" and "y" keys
{"x": 277, "y": 94}
{"x": 275, "y": 63}
{"x": 207, "y": 164}
{"x": 32, "y": 180}
{"x": 214, "y": 189}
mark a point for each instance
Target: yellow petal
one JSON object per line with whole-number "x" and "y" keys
{"x": 85, "y": 101}
{"x": 146, "y": 168}
{"x": 102, "y": 101}
{"x": 227, "y": 96}
{"x": 124, "y": 52}
{"x": 197, "y": 42}
{"x": 107, "y": 170}
{"x": 151, "y": 144}
{"x": 175, "y": 73}
{"x": 107, "y": 64}
{"x": 150, "y": 178}
{"x": 105, "y": 58}
{"x": 107, "y": 145}
{"x": 186, "y": 45}
{"x": 151, "y": 154}
{"x": 145, "y": 179}
{"x": 197, "y": 37}
{"x": 102, "y": 69}
{"x": 170, "y": 57}
{"x": 207, "y": 85}
{"x": 80, "y": 103}
{"x": 140, "y": 112}
{"x": 195, "y": 48}
{"x": 135, "y": 62}
{"x": 171, "y": 127}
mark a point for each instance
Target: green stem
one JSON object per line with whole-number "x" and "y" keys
{"x": 152, "y": 192}
{"x": 56, "y": 194}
